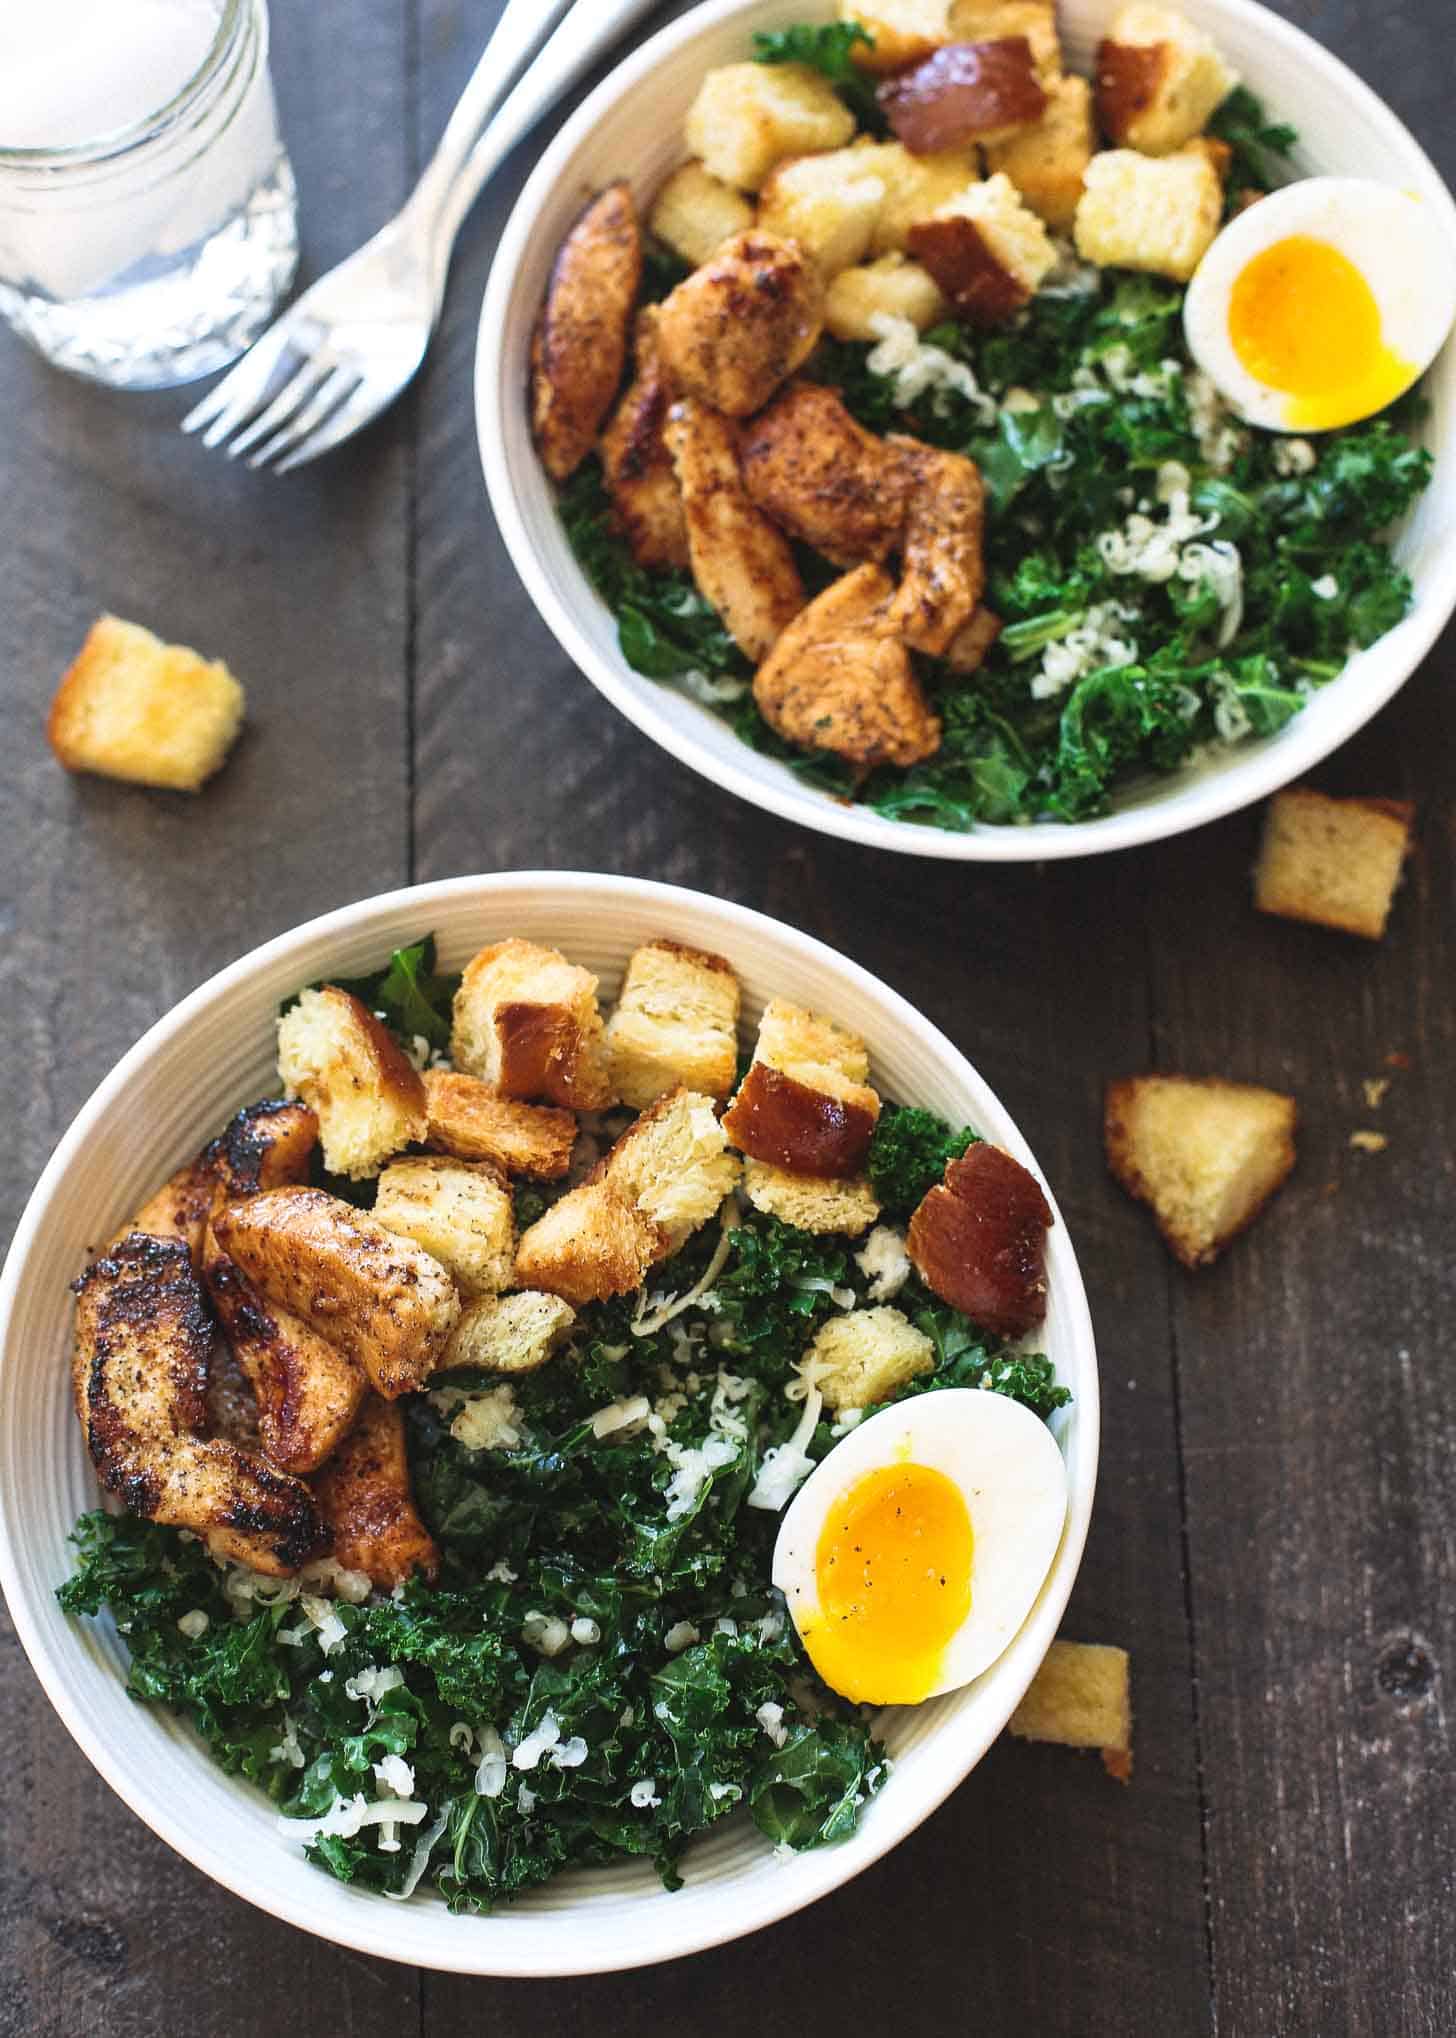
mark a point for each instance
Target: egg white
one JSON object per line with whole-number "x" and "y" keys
{"x": 1390, "y": 236}
{"x": 1010, "y": 1473}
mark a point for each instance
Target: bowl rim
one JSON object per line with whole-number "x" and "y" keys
{"x": 365, "y": 1926}
{"x": 1369, "y": 680}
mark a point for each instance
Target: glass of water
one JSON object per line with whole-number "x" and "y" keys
{"x": 148, "y": 215}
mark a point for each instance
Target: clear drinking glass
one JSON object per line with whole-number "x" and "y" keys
{"x": 148, "y": 214}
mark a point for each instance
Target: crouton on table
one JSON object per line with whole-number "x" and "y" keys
{"x": 994, "y": 20}
{"x": 1081, "y": 1698}
{"x": 350, "y": 1071}
{"x": 902, "y": 31}
{"x": 965, "y": 92}
{"x": 526, "y": 1021}
{"x": 1158, "y": 77}
{"x": 915, "y": 187}
{"x": 676, "y": 1021}
{"x": 132, "y": 707}
{"x": 1204, "y": 1154}
{"x": 1335, "y": 863}
{"x": 862, "y": 1356}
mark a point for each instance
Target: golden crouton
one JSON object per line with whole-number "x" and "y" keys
{"x": 805, "y": 1105}
{"x": 132, "y": 707}
{"x": 988, "y": 251}
{"x": 811, "y": 1204}
{"x": 915, "y": 187}
{"x": 742, "y": 323}
{"x": 695, "y": 212}
{"x": 526, "y": 1020}
{"x": 460, "y": 1212}
{"x": 747, "y": 117}
{"x": 1158, "y": 79}
{"x": 1333, "y": 862}
{"x": 593, "y": 1243}
{"x": 510, "y": 1333}
{"x": 904, "y": 31}
{"x": 369, "y": 1100}
{"x": 1080, "y": 1698}
{"x": 579, "y": 347}
{"x": 1047, "y": 162}
{"x": 863, "y": 1356}
{"x": 834, "y": 682}
{"x": 470, "y": 1120}
{"x": 967, "y": 92}
{"x": 829, "y": 204}
{"x": 676, "y": 1022}
{"x": 995, "y": 20}
{"x": 1204, "y": 1154}
{"x": 859, "y": 299}
{"x": 806, "y": 1044}
{"x": 674, "y": 1164}
{"x": 1158, "y": 213}
{"x": 743, "y": 565}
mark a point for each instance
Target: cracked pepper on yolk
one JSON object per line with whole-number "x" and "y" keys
{"x": 893, "y": 1571}
{"x": 1303, "y": 320}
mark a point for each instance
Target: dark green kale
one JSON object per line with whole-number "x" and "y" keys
{"x": 968, "y": 1357}
{"x": 828, "y": 47}
{"x": 908, "y": 1155}
{"x": 1261, "y": 147}
{"x": 409, "y": 994}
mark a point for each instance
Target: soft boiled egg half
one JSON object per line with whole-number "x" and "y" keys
{"x": 912, "y": 1554}
{"x": 1322, "y": 303}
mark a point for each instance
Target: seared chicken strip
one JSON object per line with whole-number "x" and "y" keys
{"x": 967, "y": 649}
{"x": 823, "y": 478}
{"x": 264, "y": 1146}
{"x": 579, "y": 348}
{"x": 364, "y": 1494}
{"x": 380, "y": 1299}
{"x": 741, "y": 324}
{"x": 742, "y": 563}
{"x": 308, "y": 1392}
{"x": 179, "y": 1209}
{"x": 637, "y": 464}
{"x": 834, "y": 681}
{"x": 140, "y": 1366}
{"x": 943, "y": 571}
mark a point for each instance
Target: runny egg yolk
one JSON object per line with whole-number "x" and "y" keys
{"x": 1303, "y": 320}
{"x": 893, "y": 1571}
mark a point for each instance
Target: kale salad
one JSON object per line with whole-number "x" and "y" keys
{"x": 1168, "y": 583}
{"x": 601, "y": 1668}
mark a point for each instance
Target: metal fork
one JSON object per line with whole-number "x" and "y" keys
{"x": 356, "y": 337}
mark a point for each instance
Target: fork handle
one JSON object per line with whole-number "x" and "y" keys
{"x": 484, "y": 127}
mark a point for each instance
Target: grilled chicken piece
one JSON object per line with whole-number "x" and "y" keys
{"x": 834, "y": 680}
{"x": 823, "y": 478}
{"x": 261, "y": 1148}
{"x": 742, "y": 563}
{"x": 365, "y": 1497}
{"x": 637, "y": 465}
{"x": 308, "y": 1392}
{"x": 968, "y": 648}
{"x": 741, "y": 324}
{"x": 140, "y": 1367}
{"x": 381, "y": 1300}
{"x": 179, "y": 1209}
{"x": 579, "y": 348}
{"x": 943, "y": 570}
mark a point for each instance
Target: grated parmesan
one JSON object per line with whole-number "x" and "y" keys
{"x": 915, "y": 367}
{"x": 885, "y": 1261}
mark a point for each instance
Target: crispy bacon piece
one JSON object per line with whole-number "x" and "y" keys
{"x": 965, "y": 92}
{"x": 979, "y": 1241}
{"x": 778, "y": 1119}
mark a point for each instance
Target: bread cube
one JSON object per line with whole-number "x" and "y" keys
{"x": 977, "y": 1239}
{"x": 674, "y": 1164}
{"x": 369, "y": 1100}
{"x": 994, "y": 20}
{"x": 858, "y": 299}
{"x": 591, "y": 1244}
{"x": 1047, "y": 162}
{"x": 676, "y": 1021}
{"x": 863, "y": 1356}
{"x": 1204, "y": 1154}
{"x": 460, "y": 1212}
{"x": 470, "y": 1120}
{"x": 988, "y": 251}
{"x": 134, "y": 708}
{"x": 809, "y": 1202}
{"x": 904, "y": 31}
{"x": 510, "y": 1333}
{"x": 1335, "y": 863}
{"x": 915, "y": 187}
{"x": 805, "y": 1044}
{"x": 526, "y": 1020}
{"x": 966, "y": 92}
{"x": 747, "y": 117}
{"x": 1158, "y": 213}
{"x": 1159, "y": 78}
{"x": 829, "y": 204}
{"x": 1081, "y": 1698}
{"x": 695, "y": 212}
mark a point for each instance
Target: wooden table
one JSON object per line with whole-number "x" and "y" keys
{"x": 1271, "y": 1537}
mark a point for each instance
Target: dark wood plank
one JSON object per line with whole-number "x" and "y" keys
{"x": 114, "y": 902}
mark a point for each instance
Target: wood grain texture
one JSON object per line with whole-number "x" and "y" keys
{"x": 1270, "y": 1533}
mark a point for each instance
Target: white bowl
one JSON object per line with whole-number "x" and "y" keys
{"x": 174, "y": 1089}
{"x": 632, "y": 126}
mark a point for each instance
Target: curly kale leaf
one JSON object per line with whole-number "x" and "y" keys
{"x": 909, "y": 1153}
{"x": 411, "y": 995}
{"x": 1242, "y": 122}
{"x": 808, "y": 1792}
{"x": 827, "y": 47}
{"x": 966, "y": 1356}
{"x": 777, "y": 1289}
